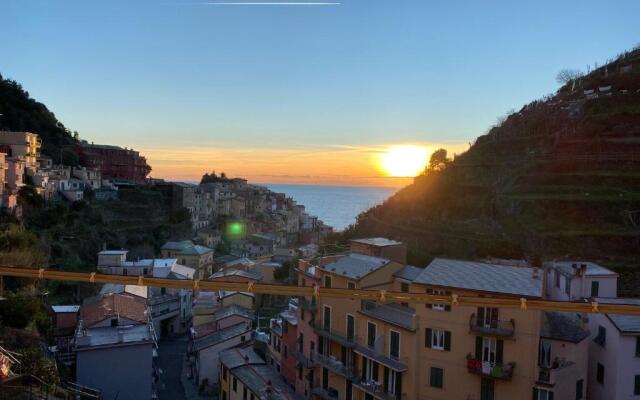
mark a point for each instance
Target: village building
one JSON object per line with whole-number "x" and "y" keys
{"x": 114, "y": 346}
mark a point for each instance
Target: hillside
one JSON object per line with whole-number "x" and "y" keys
{"x": 22, "y": 113}
{"x": 559, "y": 178}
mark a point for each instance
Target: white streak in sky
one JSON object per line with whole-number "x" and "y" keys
{"x": 287, "y": 3}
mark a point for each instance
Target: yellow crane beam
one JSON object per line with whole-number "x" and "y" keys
{"x": 316, "y": 291}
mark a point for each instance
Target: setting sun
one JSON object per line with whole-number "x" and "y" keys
{"x": 404, "y": 160}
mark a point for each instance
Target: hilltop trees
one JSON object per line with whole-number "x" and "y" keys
{"x": 567, "y": 75}
{"x": 438, "y": 161}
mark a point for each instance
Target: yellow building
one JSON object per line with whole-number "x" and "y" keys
{"x": 246, "y": 376}
{"x": 368, "y": 350}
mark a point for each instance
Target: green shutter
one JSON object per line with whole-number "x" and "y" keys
{"x": 427, "y": 337}
{"x": 386, "y": 379}
{"x": 478, "y": 347}
{"x": 535, "y": 394}
{"x": 447, "y": 341}
{"x": 499, "y": 351}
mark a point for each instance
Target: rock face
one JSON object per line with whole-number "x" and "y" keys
{"x": 559, "y": 178}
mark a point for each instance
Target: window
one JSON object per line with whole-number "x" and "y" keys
{"x": 437, "y": 339}
{"x": 579, "y": 389}
{"x": 327, "y": 281}
{"x": 595, "y": 288}
{"x": 326, "y": 321}
{"x": 436, "y": 377}
{"x": 394, "y": 344}
{"x": 390, "y": 381}
{"x": 636, "y": 385}
{"x": 600, "y": 373}
{"x": 351, "y": 285}
{"x": 242, "y": 338}
{"x": 637, "y": 346}
{"x": 348, "y": 390}
{"x": 224, "y": 395}
{"x": 325, "y": 378}
{"x": 244, "y": 393}
{"x": 235, "y": 384}
{"x": 299, "y": 372}
{"x": 542, "y": 394}
{"x": 404, "y": 287}
{"x": 286, "y": 351}
{"x": 371, "y": 334}
{"x": 301, "y": 342}
{"x": 601, "y": 339}
{"x": 438, "y": 307}
{"x": 567, "y": 286}
{"x": 302, "y": 314}
{"x": 351, "y": 327}
{"x": 557, "y": 279}
{"x": 224, "y": 373}
{"x": 145, "y": 271}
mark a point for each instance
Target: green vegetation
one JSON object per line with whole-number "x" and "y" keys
{"x": 22, "y": 113}
{"x": 557, "y": 179}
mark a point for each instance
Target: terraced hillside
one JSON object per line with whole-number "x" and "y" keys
{"x": 559, "y": 178}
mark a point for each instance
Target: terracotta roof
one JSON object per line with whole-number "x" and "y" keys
{"x": 114, "y": 305}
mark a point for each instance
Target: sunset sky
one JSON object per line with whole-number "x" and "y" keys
{"x": 298, "y": 93}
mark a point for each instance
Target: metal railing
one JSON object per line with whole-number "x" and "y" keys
{"x": 496, "y": 327}
{"x": 491, "y": 369}
{"x": 334, "y": 364}
{"x": 376, "y": 390}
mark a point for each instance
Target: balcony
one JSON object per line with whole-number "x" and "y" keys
{"x": 325, "y": 394}
{"x": 336, "y": 336}
{"x": 502, "y": 328}
{"x": 334, "y": 365}
{"x": 549, "y": 376}
{"x": 396, "y": 314}
{"x": 376, "y": 390}
{"x": 491, "y": 370}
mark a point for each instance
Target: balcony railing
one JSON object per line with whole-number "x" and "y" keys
{"x": 491, "y": 369}
{"x": 549, "y": 376}
{"x": 325, "y": 394}
{"x": 497, "y": 327}
{"x": 335, "y": 365}
{"x": 338, "y": 337}
{"x": 376, "y": 390}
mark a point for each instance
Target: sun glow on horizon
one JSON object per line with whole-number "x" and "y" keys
{"x": 404, "y": 160}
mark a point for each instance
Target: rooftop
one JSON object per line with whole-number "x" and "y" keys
{"x": 377, "y": 242}
{"x": 66, "y": 308}
{"x": 233, "y": 309}
{"x": 484, "y": 277}
{"x": 257, "y": 376}
{"x": 119, "y": 305}
{"x": 113, "y": 252}
{"x": 409, "y": 272}
{"x": 106, "y": 336}
{"x": 567, "y": 268}
{"x": 140, "y": 291}
{"x": 563, "y": 326}
{"x": 239, "y": 356}
{"x": 289, "y": 316}
{"x": 236, "y": 272}
{"x": 624, "y": 323}
{"x": 392, "y": 313}
{"x": 355, "y": 266}
{"x": 220, "y": 336}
